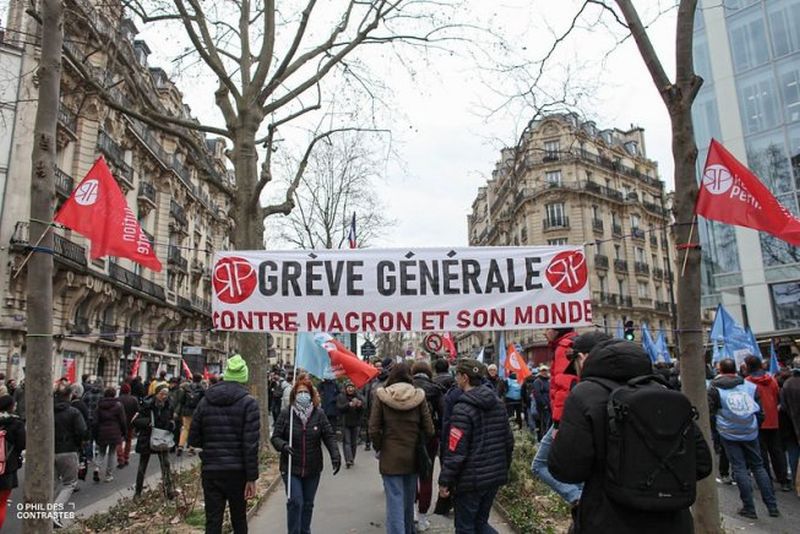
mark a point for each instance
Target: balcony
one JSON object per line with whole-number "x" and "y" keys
{"x": 638, "y": 234}
{"x": 64, "y": 183}
{"x": 108, "y": 332}
{"x": 658, "y": 273}
{"x": 556, "y": 223}
{"x": 110, "y": 148}
{"x": 600, "y": 261}
{"x": 654, "y": 208}
{"x": 68, "y": 119}
{"x": 550, "y": 157}
{"x": 613, "y": 194}
{"x": 133, "y": 280}
{"x": 184, "y": 303}
{"x": 662, "y": 306}
{"x": 200, "y": 304}
{"x": 147, "y": 193}
{"x": 150, "y": 142}
{"x": 197, "y": 267}
{"x": 81, "y": 326}
{"x": 65, "y": 250}
{"x": 641, "y": 268}
{"x": 597, "y": 225}
{"x": 593, "y": 187}
{"x": 176, "y": 212}
{"x": 626, "y": 302}
{"x": 174, "y": 257}
{"x": 621, "y": 266}
{"x": 606, "y": 299}
{"x": 136, "y": 336}
{"x": 653, "y": 240}
{"x": 616, "y": 230}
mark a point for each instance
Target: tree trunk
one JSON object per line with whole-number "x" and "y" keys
{"x": 39, "y": 347}
{"x": 690, "y": 330}
{"x": 249, "y": 235}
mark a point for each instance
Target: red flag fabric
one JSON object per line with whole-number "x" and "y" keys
{"x": 344, "y": 362}
{"x": 515, "y": 363}
{"x": 71, "y": 371}
{"x": 733, "y": 194}
{"x": 97, "y": 210}
{"x": 206, "y": 374}
{"x": 136, "y": 363}
{"x": 186, "y": 369}
{"x": 449, "y": 345}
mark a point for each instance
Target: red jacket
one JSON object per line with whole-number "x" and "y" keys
{"x": 561, "y": 383}
{"x": 768, "y": 393}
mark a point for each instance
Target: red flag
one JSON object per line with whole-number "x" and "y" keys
{"x": 135, "y": 368}
{"x": 206, "y": 374}
{"x": 732, "y": 194}
{"x": 71, "y": 371}
{"x": 344, "y": 362}
{"x": 186, "y": 369}
{"x": 97, "y": 209}
{"x": 449, "y": 345}
{"x": 515, "y": 363}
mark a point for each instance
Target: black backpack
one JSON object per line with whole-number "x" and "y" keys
{"x": 650, "y": 445}
{"x": 194, "y": 395}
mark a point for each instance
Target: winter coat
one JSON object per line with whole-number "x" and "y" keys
{"x": 448, "y": 403}
{"x": 479, "y": 443}
{"x": 350, "y": 415}
{"x": 111, "y": 426}
{"x": 768, "y": 393}
{"x": 434, "y": 395}
{"x": 15, "y": 444}
{"x": 790, "y": 402}
{"x": 70, "y": 427}
{"x": 226, "y": 425}
{"x": 164, "y": 419}
{"x": 719, "y": 414}
{"x": 306, "y": 442}
{"x": 19, "y": 400}
{"x": 328, "y": 393}
{"x": 176, "y": 400}
{"x": 138, "y": 390}
{"x": 541, "y": 393}
{"x": 287, "y": 393}
{"x": 445, "y": 381}
{"x": 368, "y": 392}
{"x": 79, "y": 405}
{"x": 399, "y": 415}
{"x": 131, "y": 406}
{"x": 579, "y": 449}
{"x": 92, "y": 396}
{"x": 561, "y": 381}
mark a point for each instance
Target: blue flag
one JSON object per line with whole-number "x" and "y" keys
{"x": 754, "y": 344}
{"x": 648, "y": 344}
{"x": 479, "y": 357}
{"x": 661, "y": 348}
{"x": 730, "y": 339}
{"x": 620, "y": 330}
{"x": 311, "y": 356}
{"x": 501, "y": 356}
{"x": 774, "y": 368}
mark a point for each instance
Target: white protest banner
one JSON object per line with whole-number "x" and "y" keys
{"x": 394, "y": 290}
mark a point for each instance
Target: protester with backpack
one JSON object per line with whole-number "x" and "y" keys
{"x": 12, "y": 443}
{"x": 627, "y": 487}
{"x": 110, "y": 430}
{"x": 190, "y": 397}
{"x": 736, "y": 414}
{"x": 70, "y": 431}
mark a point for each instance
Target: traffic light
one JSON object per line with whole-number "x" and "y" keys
{"x": 629, "y": 335}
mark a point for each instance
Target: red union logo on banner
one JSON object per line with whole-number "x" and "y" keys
{"x": 567, "y": 272}
{"x": 86, "y": 195}
{"x": 234, "y": 279}
{"x": 717, "y": 179}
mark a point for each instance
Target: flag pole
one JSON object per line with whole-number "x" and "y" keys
{"x": 33, "y": 249}
{"x": 291, "y": 422}
{"x": 688, "y": 244}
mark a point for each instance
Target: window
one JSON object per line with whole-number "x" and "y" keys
{"x": 556, "y": 214}
{"x": 599, "y": 246}
{"x": 617, "y": 249}
{"x": 588, "y": 176}
{"x": 561, "y": 241}
{"x": 643, "y": 290}
{"x": 749, "y": 47}
{"x": 621, "y": 285}
{"x": 553, "y": 177}
{"x": 654, "y": 263}
{"x": 597, "y": 214}
{"x": 602, "y": 283}
{"x": 784, "y": 21}
{"x": 767, "y": 158}
{"x": 786, "y": 305}
{"x": 551, "y": 150}
{"x": 640, "y": 255}
{"x": 634, "y": 220}
{"x": 523, "y": 235}
{"x": 614, "y": 219}
{"x": 790, "y": 89}
{"x": 758, "y": 100}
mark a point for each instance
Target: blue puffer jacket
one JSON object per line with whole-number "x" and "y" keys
{"x": 226, "y": 426}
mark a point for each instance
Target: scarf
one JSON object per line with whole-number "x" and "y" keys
{"x": 304, "y": 414}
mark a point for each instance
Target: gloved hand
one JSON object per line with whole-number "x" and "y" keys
{"x": 288, "y": 450}
{"x": 337, "y": 464}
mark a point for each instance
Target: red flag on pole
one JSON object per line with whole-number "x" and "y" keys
{"x": 206, "y": 374}
{"x": 732, "y": 194}
{"x": 97, "y": 210}
{"x": 71, "y": 371}
{"x": 186, "y": 369}
{"x": 449, "y": 345}
{"x": 136, "y": 363}
{"x": 344, "y": 362}
{"x": 515, "y": 363}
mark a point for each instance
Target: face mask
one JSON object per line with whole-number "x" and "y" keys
{"x": 303, "y": 399}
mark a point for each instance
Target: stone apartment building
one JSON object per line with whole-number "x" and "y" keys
{"x": 572, "y": 183}
{"x": 181, "y": 197}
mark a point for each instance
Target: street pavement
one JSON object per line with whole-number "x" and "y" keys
{"x": 788, "y": 503}
{"x": 351, "y": 502}
{"x": 94, "y": 497}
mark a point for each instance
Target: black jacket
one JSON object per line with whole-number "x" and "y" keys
{"x": 92, "y": 397}
{"x": 579, "y": 450}
{"x": 131, "y": 406}
{"x": 15, "y": 444}
{"x": 434, "y": 395}
{"x": 479, "y": 445}
{"x": 70, "y": 427}
{"x": 445, "y": 381}
{"x": 328, "y": 393}
{"x": 306, "y": 442}
{"x": 350, "y": 416}
{"x": 226, "y": 425}
{"x": 714, "y": 402}
{"x": 79, "y": 405}
{"x": 111, "y": 427}
{"x": 163, "y": 417}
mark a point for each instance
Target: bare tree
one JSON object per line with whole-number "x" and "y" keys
{"x": 340, "y": 181}
{"x": 39, "y": 368}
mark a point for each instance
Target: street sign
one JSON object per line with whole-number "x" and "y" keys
{"x": 368, "y": 349}
{"x": 433, "y": 343}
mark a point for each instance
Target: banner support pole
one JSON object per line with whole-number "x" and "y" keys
{"x": 291, "y": 422}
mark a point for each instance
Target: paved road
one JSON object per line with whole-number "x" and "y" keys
{"x": 96, "y": 496}
{"x": 788, "y": 503}
{"x": 352, "y": 502}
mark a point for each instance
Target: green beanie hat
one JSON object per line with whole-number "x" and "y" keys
{"x": 236, "y": 371}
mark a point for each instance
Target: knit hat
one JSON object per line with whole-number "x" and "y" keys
{"x": 586, "y": 342}
{"x": 470, "y": 367}
{"x": 236, "y": 371}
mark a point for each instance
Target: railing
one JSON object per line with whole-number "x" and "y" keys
{"x": 133, "y": 280}
{"x": 108, "y": 332}
{"x": 653, "y": 240}
{"x": 135, "y": 335}
{"x": 177, "y": 213}
{"x": 658, "y": 273}
{"x": 618, "y": 168}
{"x": 662, "y": 306}
{"x": 201, "y": 304}
{"x": 597, "y": 225}
{"x": 175, "y": 257}
{"x": 607, "y": 299}
{"x": 149, "y": 236}
{"x": 67, "y": 118}
{"x": 147, "y": 191}
{"x": 637, "y": 233}
{"x": 64, "y": 183}
{"x": 558, "y": 222}
{"x": 616, "y": 230}
{"x": 621, "y": 265}
{"x": 654, "y": 208}
{"x": 626, "y": 302}
{"x": 182, "y": 172}
{"x": 63, "y": 248}
{"x": 641, "y": 268}
{"x": 150, "y": 142}
{"x": 110, "y": 148}
{"x": 600, "y": 261}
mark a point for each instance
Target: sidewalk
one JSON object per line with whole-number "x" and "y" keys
{"x": 352, "y": 502}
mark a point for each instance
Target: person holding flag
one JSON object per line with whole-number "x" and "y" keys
{"x": 299, "y": 433}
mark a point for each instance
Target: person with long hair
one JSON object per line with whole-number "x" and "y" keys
{"x": 400, "y": 419}
{"x": 309, "y": 428}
